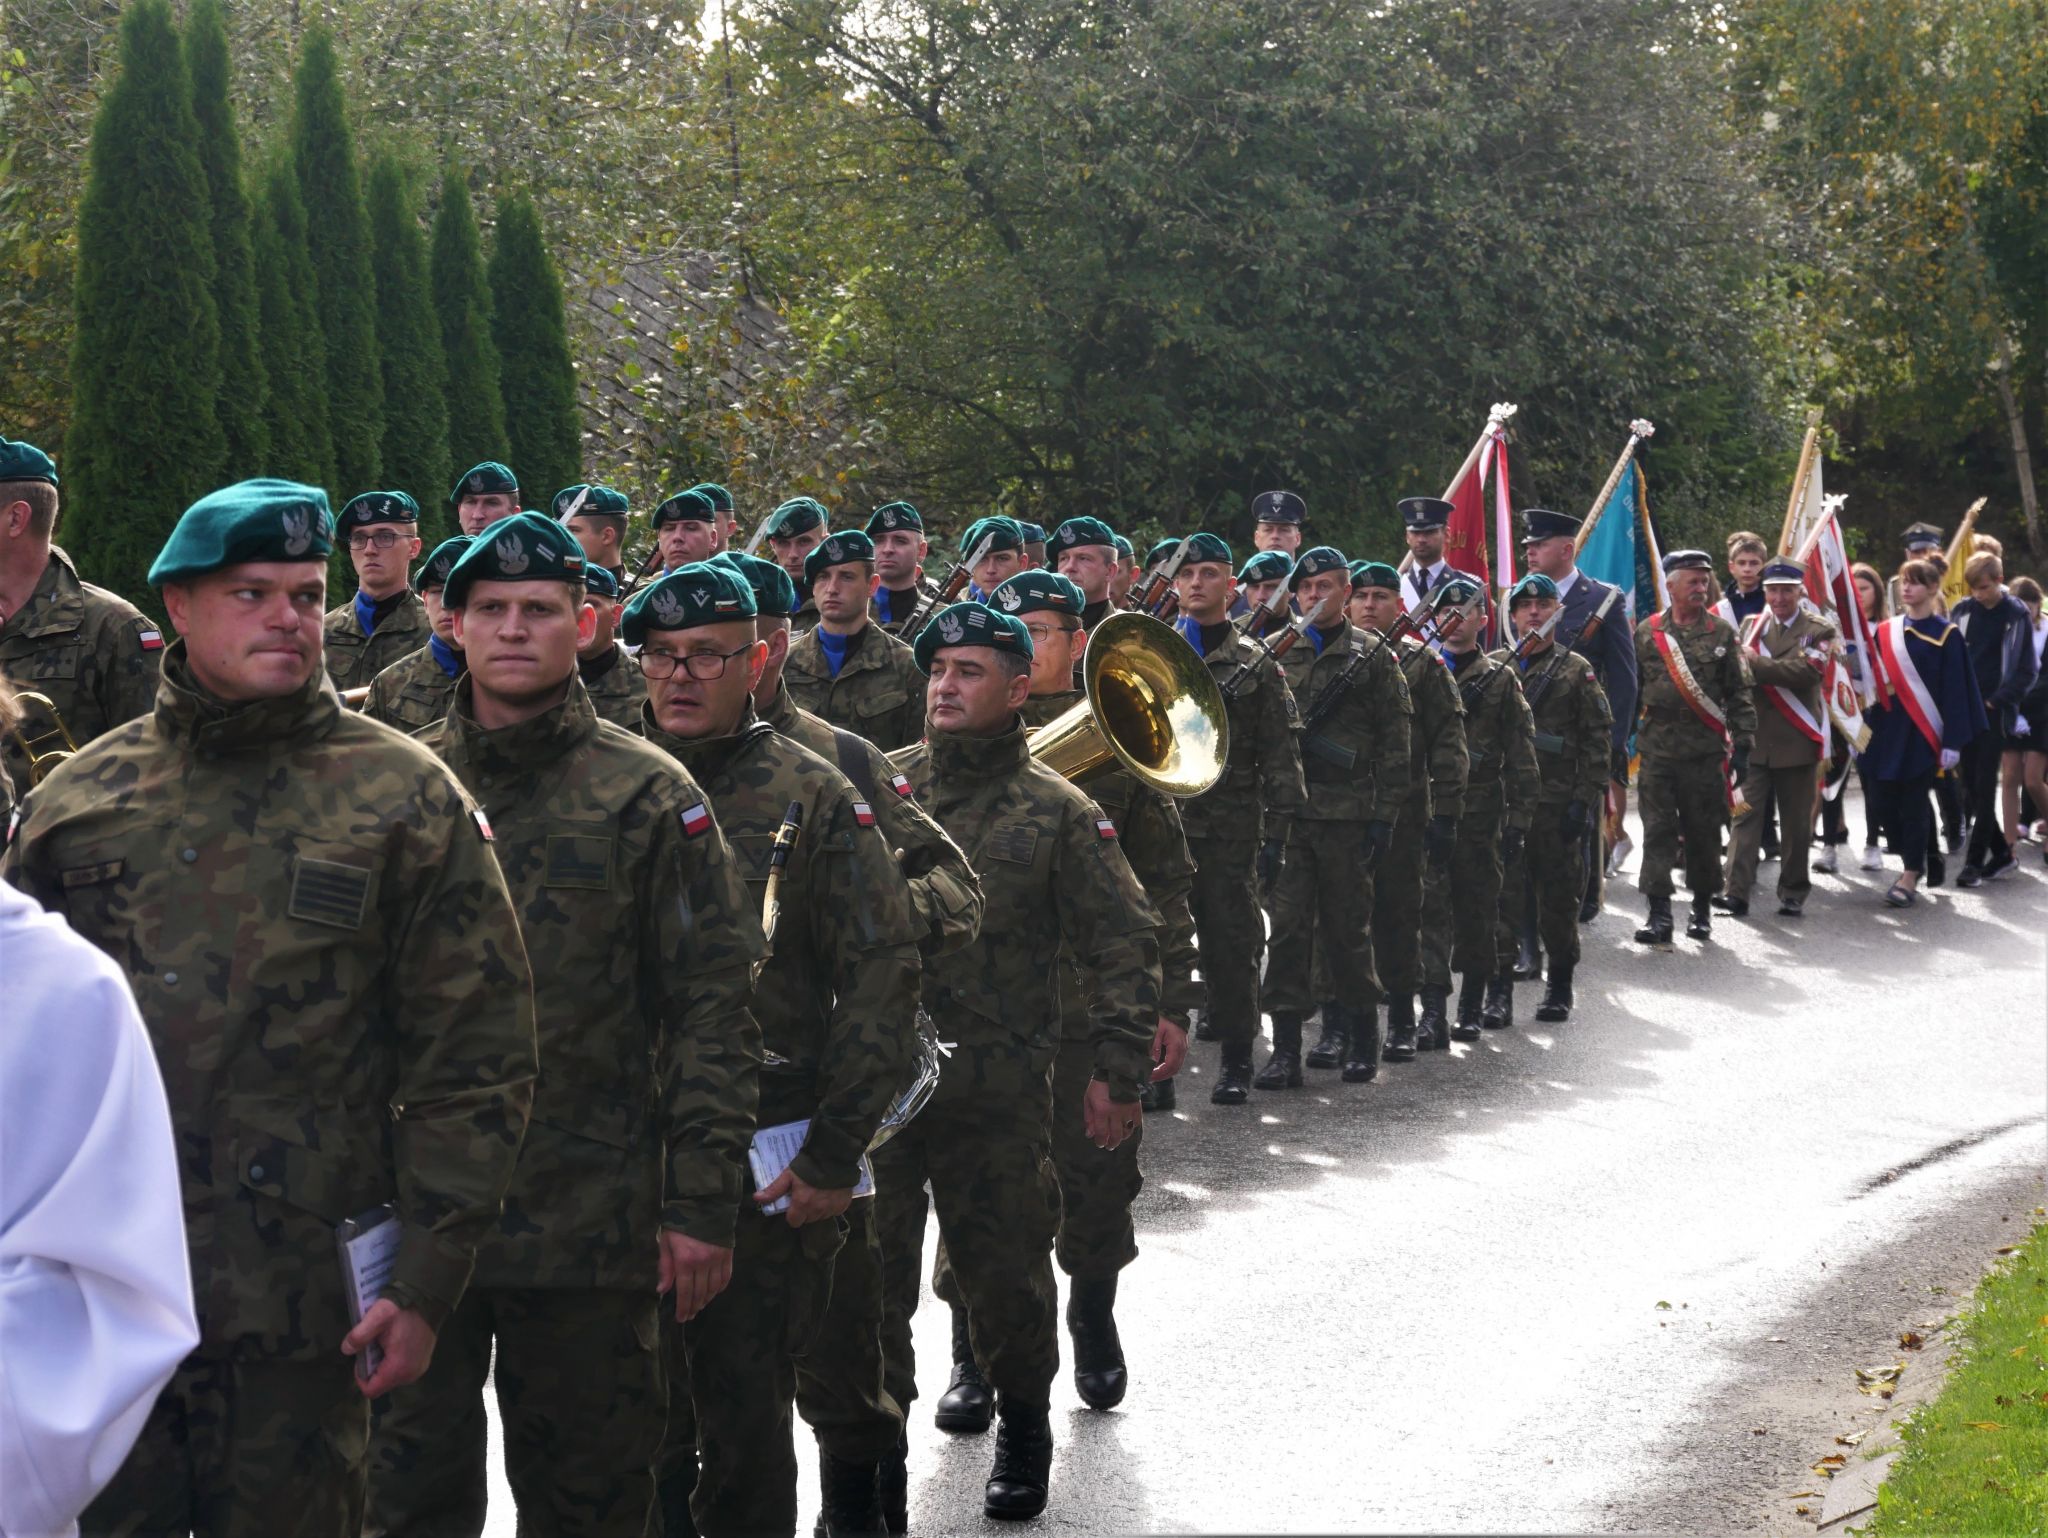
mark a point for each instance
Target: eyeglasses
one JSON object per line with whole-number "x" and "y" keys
{"x": 363, "y": 539}
{"x": 1040, "y": 634}
{"x": 702, "y": 666}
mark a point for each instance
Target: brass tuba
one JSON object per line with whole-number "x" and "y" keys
{"x": 1152, "y": 708}
{"x": 42, "y": 756}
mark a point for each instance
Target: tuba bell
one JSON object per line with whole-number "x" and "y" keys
{"x": 39, "y": 747}
{"x": 1152, "y": 708}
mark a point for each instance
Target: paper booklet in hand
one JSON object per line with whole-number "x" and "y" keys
{"x": 368, "y": 1245}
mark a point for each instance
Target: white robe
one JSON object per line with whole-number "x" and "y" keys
{"x": 95, "y": 1287}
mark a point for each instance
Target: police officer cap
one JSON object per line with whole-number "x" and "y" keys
{"x": 838, "y": 550}
{"x": 799, "y": 515}
{"x": 600, "y": 581}
{"x": 1535, "y": 585}
{"x": 1008, "y": 532}
{"x": 1423, "y": 512}
{"x": 526, "y": 547}
{"x": 1076, "y": 532}
{"x": 1540, "y": 523}
{"x": 1036, "y": 591}
{"x": 587, "y": 501}
{"x": 774, "y": 591}
{"x": 971, "y": 624}
{"x": 359, "y": 512}
{"x": 692, "y": 506}
{"x": 1459, "y": 592}
{"x": 22, "y": 461}
{"x": 1034, "y": 534}
{"x": 720, "y": 497}
{"x": 485, "y": 480}
{"x": 702, "y": 593}
{"x": 1784, "y": 572}
{"x": 1918, "y": 536}
{"x": 894, "y": 518}
{"x": 1208, "y": 547}
{"x": 1315, "y": 562}
{"x": 1278, "y": 507}
{"x": 1375, "y": 574}
{"x": 1125, "y": 549}
{"x": 262, "y": 520}
{"x": 440, "y": 561}
{"x": 1687, "y": 560}
{"x": 1265, "y": 566}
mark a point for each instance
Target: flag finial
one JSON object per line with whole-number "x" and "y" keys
{"x": 1642, "y": 427}
{"x": 1499, "y": 412}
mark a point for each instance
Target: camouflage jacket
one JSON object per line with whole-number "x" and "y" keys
{"x": 1356, "y": 760}
{"x": 838, "y": 996}
{"x": 354, "y": 659}
{"x": 1573, "y": 728}
{"x": 1261, "y": 780}
{"x": 327, "y": 959}
{"x": 1436, "y": 742}
{"x": 1784, "y": 658}
{"x": 1500, "y": 750}
{"x": 878, "y": 693}
{"x": 91, "y": 653}
{"x": 413, "y": 692}
{"x": 1668, "y": 727}
{"x": 1148, "y": 826}
{"x": 1055, "y": 879}
{"x": 643, "y": 943}
{"x": 945, "y": 894}
{"x": 615, "y": 686}
{"x": 902, "y": 605}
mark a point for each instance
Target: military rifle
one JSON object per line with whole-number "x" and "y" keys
{"x": 956, "y": 581}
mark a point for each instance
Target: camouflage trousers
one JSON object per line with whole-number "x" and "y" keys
{"x": 1322, "y": 909}
{"x": 1794, "y": 788}
{"x": 1397, "y": 904}
{"x": 1460, "y": 906}
{"x": 983, "y": 1144}
{"x": 1230, "y": 932}
{"x": 1682, "y": 797}
{"x": 578, "y": 1376}
{"x": 1543, "y": 890}
{"x": 839, "y": 1389}
{"x": 244, "y": 1449}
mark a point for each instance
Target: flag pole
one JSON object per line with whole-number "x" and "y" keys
{"x": 1963, "y": 531}
{"x": 1496, "y": 418}
{"x": 1638, "y": 430}
{"x": 1831, "y": 507}
{"x": 1799, "y": 479}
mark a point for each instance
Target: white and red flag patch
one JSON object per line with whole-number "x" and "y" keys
{"x": 696, "y": 819}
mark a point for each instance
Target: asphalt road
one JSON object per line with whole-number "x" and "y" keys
{"x": 1438, "y": 1302}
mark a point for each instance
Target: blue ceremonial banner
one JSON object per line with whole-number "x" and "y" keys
{"x": 1622, "y": 548}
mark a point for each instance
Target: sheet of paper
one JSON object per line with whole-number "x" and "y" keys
{"x": 369, "y": 1249}
{"x": 773, "y": 1148}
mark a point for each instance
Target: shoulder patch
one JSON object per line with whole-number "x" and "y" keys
{"x": 863, "y": 814}
{"x": 150, "y": 640}
{"x": 696, "y": 819}
{"x": 900, "y": 785}
{"x": 1104, "y": 828}
{"x": 483, "y": 824}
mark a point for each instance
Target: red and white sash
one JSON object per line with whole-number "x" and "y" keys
{"x": 1698, "y": 701}
{"x": 1906, "y": 682}
{"x": 1789, "y": 704}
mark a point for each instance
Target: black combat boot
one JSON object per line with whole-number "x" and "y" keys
{"x": 1283, "y": 1068}
{"x": 895, "y": 1486}
{"x": 1701, "y": 925}
{"x": 1400, "y": 1047}
{"x": 1158, "y": 1095}
{"x": 1100, "y": 1376}
{"x": 1328, "y": 1051}
{"x": 1557, "y": 993}
{"x": 1498, "y": 1012}
{"x": 1433, "y": 1030}
{"x": 968, "y": 1404}
{"x": 1205, "y": 1026}
{"x": 1657, "y": 929}
{"x": 850, "y": 1503}
{"x": 1023, "y": 1465}
{"x": 1528, "y": 959}
{"x": 1361, "y": 1045}
{"x": 1471, "y": 989}
{"x": 1234, "y": 1080}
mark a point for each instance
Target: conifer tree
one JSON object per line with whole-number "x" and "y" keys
{"x": 462, "y": 300}
{"x": 294, "y": 352}
{"x": 409, "y": 346}
{"x": 543, "y": 426}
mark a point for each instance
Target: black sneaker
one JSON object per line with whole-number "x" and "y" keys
{"x": 2005, "y": 865}
{"x": 1970, "y": 875}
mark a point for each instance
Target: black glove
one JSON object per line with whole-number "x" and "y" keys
{"x": 1739, "y": 762}
{"x": 1440, "y": 839}
{"x": 1379, "y": 836}
{"x": 1511, "y": 845}
{"x": 1271, "y": 854}
{"x": 1574, "y": 823}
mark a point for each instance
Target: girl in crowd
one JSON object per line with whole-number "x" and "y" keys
{"x": 1998, "y": 634}
{"x": 2026, "y": 747}
{"x": 1870, "y": 594}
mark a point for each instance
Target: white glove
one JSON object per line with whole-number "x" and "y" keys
{"x": 1950, "y": 758}
{"x": 2020, "y": 727}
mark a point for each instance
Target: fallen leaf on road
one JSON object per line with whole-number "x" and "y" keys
{"x": 1985, "y": 1425}
{"x": 1852, "y": 1438}
{"x": 1877, "y": 1380}
{"x": 2005, "y": 1249}
{"x": 1796, "y": 1494}
{"x": 1912, "y": 1340}
{"x": 1800, "y": 1511}
{"x": 1829, "y": 1464}
{"x": 1661, "y": 1303}
{"x": 1757, "y": 1431}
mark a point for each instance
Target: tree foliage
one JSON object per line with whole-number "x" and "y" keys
{"x": 409, "y": 347}
{"x": 462, "y": 307}
{"x": 543, "y": 428}
{"x": 294, "y": 352}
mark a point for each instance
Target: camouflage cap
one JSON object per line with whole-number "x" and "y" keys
{"x": 1375, "y": 574}
{"x": 1008, "y": 532}
{"x": 370, "y": 507}
{"x": 487, "y": 479}
{"x": 1265, "y": 567}
{"x": 799, "y": 515}
{"x": 1076, "y": 532}
{"x": 526, "y": 547}
{"x": 1314, "y": 562}
{"x": 1209, "y": 547}
{"x": 720, "y": 497}
{"x": 600, "y": 581}
{"x": 1036, "y": 591}
{"x": 23, "y": 461}
{"x": 774, "y": 592}
{"x": 839, "y": 550}
{"x": 692, "y": 506}
{"x": 702, "y": 593}
{"x": 971, "y": 624}
{"x": 1278, "y": 507}
{"x": 585, "y": 500}
{"x": 440, "y": 561}
{"x": 893, "y": 518}
{"x": 1535, "y": 585}
{"x": 261, "y": 520}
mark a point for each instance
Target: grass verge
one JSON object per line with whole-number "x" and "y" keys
{"x": 1976, "y": 1459}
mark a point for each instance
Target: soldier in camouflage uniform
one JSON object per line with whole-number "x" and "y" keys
{"x": 482, "y": 495}
{"x": 1238, "y": 829}
{"x": 91, "y": 654}
{"x": 1573, "y": 737}
{"x": 414, "y": 691}
{"x": 1355, "y": 759}
{"x": 644, "y": 940}
{"x": 1426, "y": 831}
{"x": 598, "y": 517}
{"x": 1084, "y": 551}
{"x": 1057, "y": 886}
{"x": 1460, "y": 903}
{"x": 848, "y": 669}
{"x": 897, "y": 530}
{"x": 687, "y": 528}
{"x": 326, "y": 956}
{"x": 795, "y": 529}
{"x": 1697, "y": 723}
{"x": 1003, "y": 558}
{"x": 384, "y": 621}
{"x": 610, "y": 675}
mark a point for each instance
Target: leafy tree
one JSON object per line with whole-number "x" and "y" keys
{"x": 462, "y": 303}
{"x": 543, "y": 425}
{"x": 409, "y": 345}
{"x": 294, "y": 352}
{"x": 145, "y": 361}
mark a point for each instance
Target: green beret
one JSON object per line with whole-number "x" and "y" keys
{"x": 1265, "y": 566}
{"x": 526, "y": 547}
{"x": 359, "y": 512}
{"x": 1460, "y": 591}
{"x": 799, "y": 515}
{"x": 1160, "y": 552}
{"x": 774, "y": 592}
{"x": 1034, "y": 534}
{"x": 1207, "y": 547}
{"x": 485, "y": 480}
{"x": 600, "y": 581}
{"x": 893, "y": 517}
{"x": 262, "y": 520}
{"x": 1037, "y": 590}
{"x": 1375, "y": 574}
{"x": 1687, "y": 560}
{"x": 1124, "y": 548}
{"x": 1313, "y": 563}
{"x": 435, "y": 568}
{"x": 1535, "y": 585}
{"x": 839, "y": 550}
{"x": 702, "y": 593}
{"x": 23, "y": 461}
{"x": 1076, "y": 532}
{"x": 1008, "y": 532}
{"x": 587, "y": 501}
{"x": 971, "y": 624}
{"x": 692, "y": 506}
{"x": 720, "y": 497}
